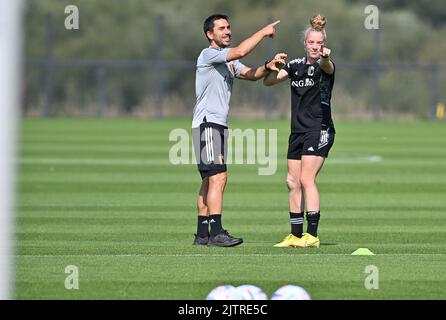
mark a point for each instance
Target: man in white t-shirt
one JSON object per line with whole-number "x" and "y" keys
{"x": 217, "y": 66}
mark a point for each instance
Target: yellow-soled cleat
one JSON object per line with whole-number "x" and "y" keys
{"x": 307, "y": 241}
{"x": 289, "y": 241}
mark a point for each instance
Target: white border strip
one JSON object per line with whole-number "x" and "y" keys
{"x": 296, "y": 253}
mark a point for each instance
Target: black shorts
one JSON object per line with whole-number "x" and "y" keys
{"x": 313, "y": 143}
{"x": 210, "y": 146}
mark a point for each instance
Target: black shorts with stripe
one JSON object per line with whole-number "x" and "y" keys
{"x": 312, "y": 143}
{"x": 210, "y": 146}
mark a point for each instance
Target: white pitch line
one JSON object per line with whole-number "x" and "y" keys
{"x": 128, "y": 162}
{"x": 356, "y": 159}
{"x": 222, "y": 255}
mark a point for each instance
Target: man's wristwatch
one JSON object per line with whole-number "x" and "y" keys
{"x": 266, "y": 65}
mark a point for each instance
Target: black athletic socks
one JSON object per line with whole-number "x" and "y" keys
{"x": 202, "y": 226}
{"x": 215, "y": 223}
{"x": 313, "y": 221}
{"x": 297, "y": 224}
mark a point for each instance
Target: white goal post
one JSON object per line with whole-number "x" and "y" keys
{"x": 10, "y": 76}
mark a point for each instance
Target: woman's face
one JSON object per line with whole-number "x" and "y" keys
{"x": 221, "y": 33}
{"x": 313, "y": 43}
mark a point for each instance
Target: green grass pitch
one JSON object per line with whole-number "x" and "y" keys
{"x": 102, "y": 196}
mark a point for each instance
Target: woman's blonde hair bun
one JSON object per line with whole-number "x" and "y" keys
{"x": 318, "y": 22}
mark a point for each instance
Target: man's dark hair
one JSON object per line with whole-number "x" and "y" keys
{"x": 209, "y": 23}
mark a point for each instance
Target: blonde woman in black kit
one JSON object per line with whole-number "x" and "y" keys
{"x": 312, "y": 131}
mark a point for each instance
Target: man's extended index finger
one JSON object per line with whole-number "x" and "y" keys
{"x": 275, "y": 23}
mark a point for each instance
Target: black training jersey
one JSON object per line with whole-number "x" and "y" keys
{"x": 310, "y": 96}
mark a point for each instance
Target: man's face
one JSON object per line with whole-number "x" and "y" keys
{"x": 221, "y": 34}
{"x": 313, "y": 44}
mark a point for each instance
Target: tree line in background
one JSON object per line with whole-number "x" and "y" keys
{"x": 410, "y": 38}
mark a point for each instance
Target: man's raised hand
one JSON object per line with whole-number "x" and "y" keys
{"x": 270, "y": 30}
